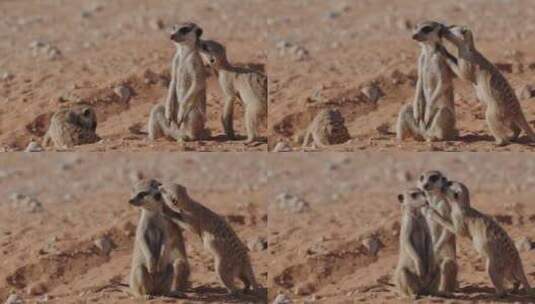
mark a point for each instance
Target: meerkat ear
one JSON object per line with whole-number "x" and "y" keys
{"x": 400, "y": 198}
{"x": 199, "y": 32}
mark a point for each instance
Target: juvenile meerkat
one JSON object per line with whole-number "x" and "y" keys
{"x": 416, "y": 272}
{"x": 248, "y": 85}
{"x": 504, "y": 114}
{"x": 444, "y": 242}
{"x": 230, "y": 254}
{"x": 327, "y": 128}
{"x": 490, "y": 240}
{"x": 71, "y": 126}
{"x": 432, "y": 113}
{"x": 185, "y": 106}
{"x": 159, "y": 126}
{"x": 159, "y": 263}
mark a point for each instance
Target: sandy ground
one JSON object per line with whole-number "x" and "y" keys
{"x": 323, "y": 52}
{"x": 104, "y": 44}
{"x": 85, "y": 197}
{"x": 316, "y": 249}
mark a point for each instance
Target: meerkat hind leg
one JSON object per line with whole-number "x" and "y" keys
{"x": 181, "y": 275}
{"x": 496, "y": 127}
{"x": 409, "y": 284}
{"x": 141, "y": 283}
{"x": 448, "y": 276}
{"x": 406, "y": 125}
{"x": 496, "y": 276}
{"x": 442, "y": 126}
{"x": 226, "y": 276}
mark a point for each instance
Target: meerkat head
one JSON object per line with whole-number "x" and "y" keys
{"x": 174, "y": 194}
{"x": 428, "y": 32}
{"x": 460, "y": 35}
{"x": 146, "y": 195}
{"x": 457, "y": 193}
{"x": 432, "y": 182}
{"x": 413, "y": 199}
{"x": 186, "y": 33}
{"x": 213, "y": 53}
{"x": 83, "y": 116}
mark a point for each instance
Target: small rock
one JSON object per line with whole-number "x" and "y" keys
{"x": 304, "y": 289}
{"x": 6, "y": 76}
{"x": 372, "y": 93}
{"x": 332, "y": 15}
{"x": 257, "y": 244}
{"x": 30, "y": 204}
{"x": 53, "y": 53}
{"x": 524, "y": 244}
{"x": 526, "y": 92}
{"x": 37, "y": 44}
{"x": 404, "y": 176}
{"x": 34, "y": 146}
{"x": 282, "y": 299}
{"x": 36, "y": 289}
{"x": 504, "y": 67}
{"x": 282, "y": 146}
{"x": 86, "y": 14}
{"x": 372, "y": 244}
{"x": 404, "y": 24}
{"x": 383, "y": 128}
{"x": 14, "y": 299}
{"x": 156, "y": 24}
{"x": 104, "y": 244}
{"x": 124, "y": 92}
{"x": 129, "y": 229}
{"x": 292, "y": 203}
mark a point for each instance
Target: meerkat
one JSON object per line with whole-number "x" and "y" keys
{"x": 231, "y": 256}
{"x": 431, "y": 116}
{"x": 490, "y": 240}
{"x": 71, "y": 126}
{"x": 416, "y": 272}
{"x": 159, "y": 126}
{"x": 327, "y": 128}
{"x": 248, "y": 85}
{"x": 185, "y": 105}
{"x": 444, "y": 242}
{"x": 159, "y": 264}
{"x": 504, "y": 115}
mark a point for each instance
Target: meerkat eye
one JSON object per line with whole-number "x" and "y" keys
{"x": 400, "y": 198}
{"x": 433, "y": 178}
{"x": 158, "y": 196}
{"x": 427, "y": 29}
{"x": 414, "y": 195}
{"x": 184, "y": 30}
{"x": 86, "y": 112}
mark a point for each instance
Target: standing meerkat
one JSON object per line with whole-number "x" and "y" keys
{"x": 231, "y": 256}
{"x": 327, "y": 128}
{"x": 416, "y": 272}
{"x": 248, "y": 85}
{"x": 71, "y": 126}
{"x": 432, "y": 113}
{"x": 159, "y": 263}
{"x": 503, "y": 114}
{"x": 490, "y": 240}
{"x": 444, "y": 242}
{"x": 185, "y": 106}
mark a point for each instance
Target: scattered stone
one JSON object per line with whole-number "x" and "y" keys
{"x": 43, "y": 48}
{"x": 257, "y": 244}
{"x": 129, "y": 229}
{"x": 332, "y": 15}
{"x": 504, "y": 67}
{"x": 526, "y": 92}
{"x": 14, "y": 299}
{"x": 292, "y": 203}
{"x": 287, "y": 48}
{"x": 123, "y": 91}
{"x": 156, "y": 24}
{"x": 372, "y": 93}
{"x": 404, "y": 176}
{"x": 86, "y": 14}
{"x": 524, "y": 244}
{"x": 26, "y": 202}
{"x": 6, "y": 76}
{"x": 383, "y": 128}
{"x": 282, "y": 299}
{"x": 304, "y": 289}
{"x": 372, "y": 244}
{"x": 282, "y": 146}
{"x": 104, "y": 244}
{"x": 404, "y": 24}
{"x": 34, "y": 146}
{"x": 36, "y": 289}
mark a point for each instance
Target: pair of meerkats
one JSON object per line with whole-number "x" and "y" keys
{"x": 160, "y": 263}
{"x": 431, "y": 116}
{"x": 433, "y": 214}
{"x": 183, "y": 115}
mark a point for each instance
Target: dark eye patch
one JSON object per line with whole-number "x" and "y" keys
{"x": 414, "y": 195}
{"x": 455, "y": 195}
{"x": 185, "y": 30}
{"x": 433, "y": 178}
{"x": 427, "y": 29}
{"x": 421, "y": 178}
{"x": 157, "y": 196}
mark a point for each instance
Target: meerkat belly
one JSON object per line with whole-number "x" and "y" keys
{"x": 483, "y": 88}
